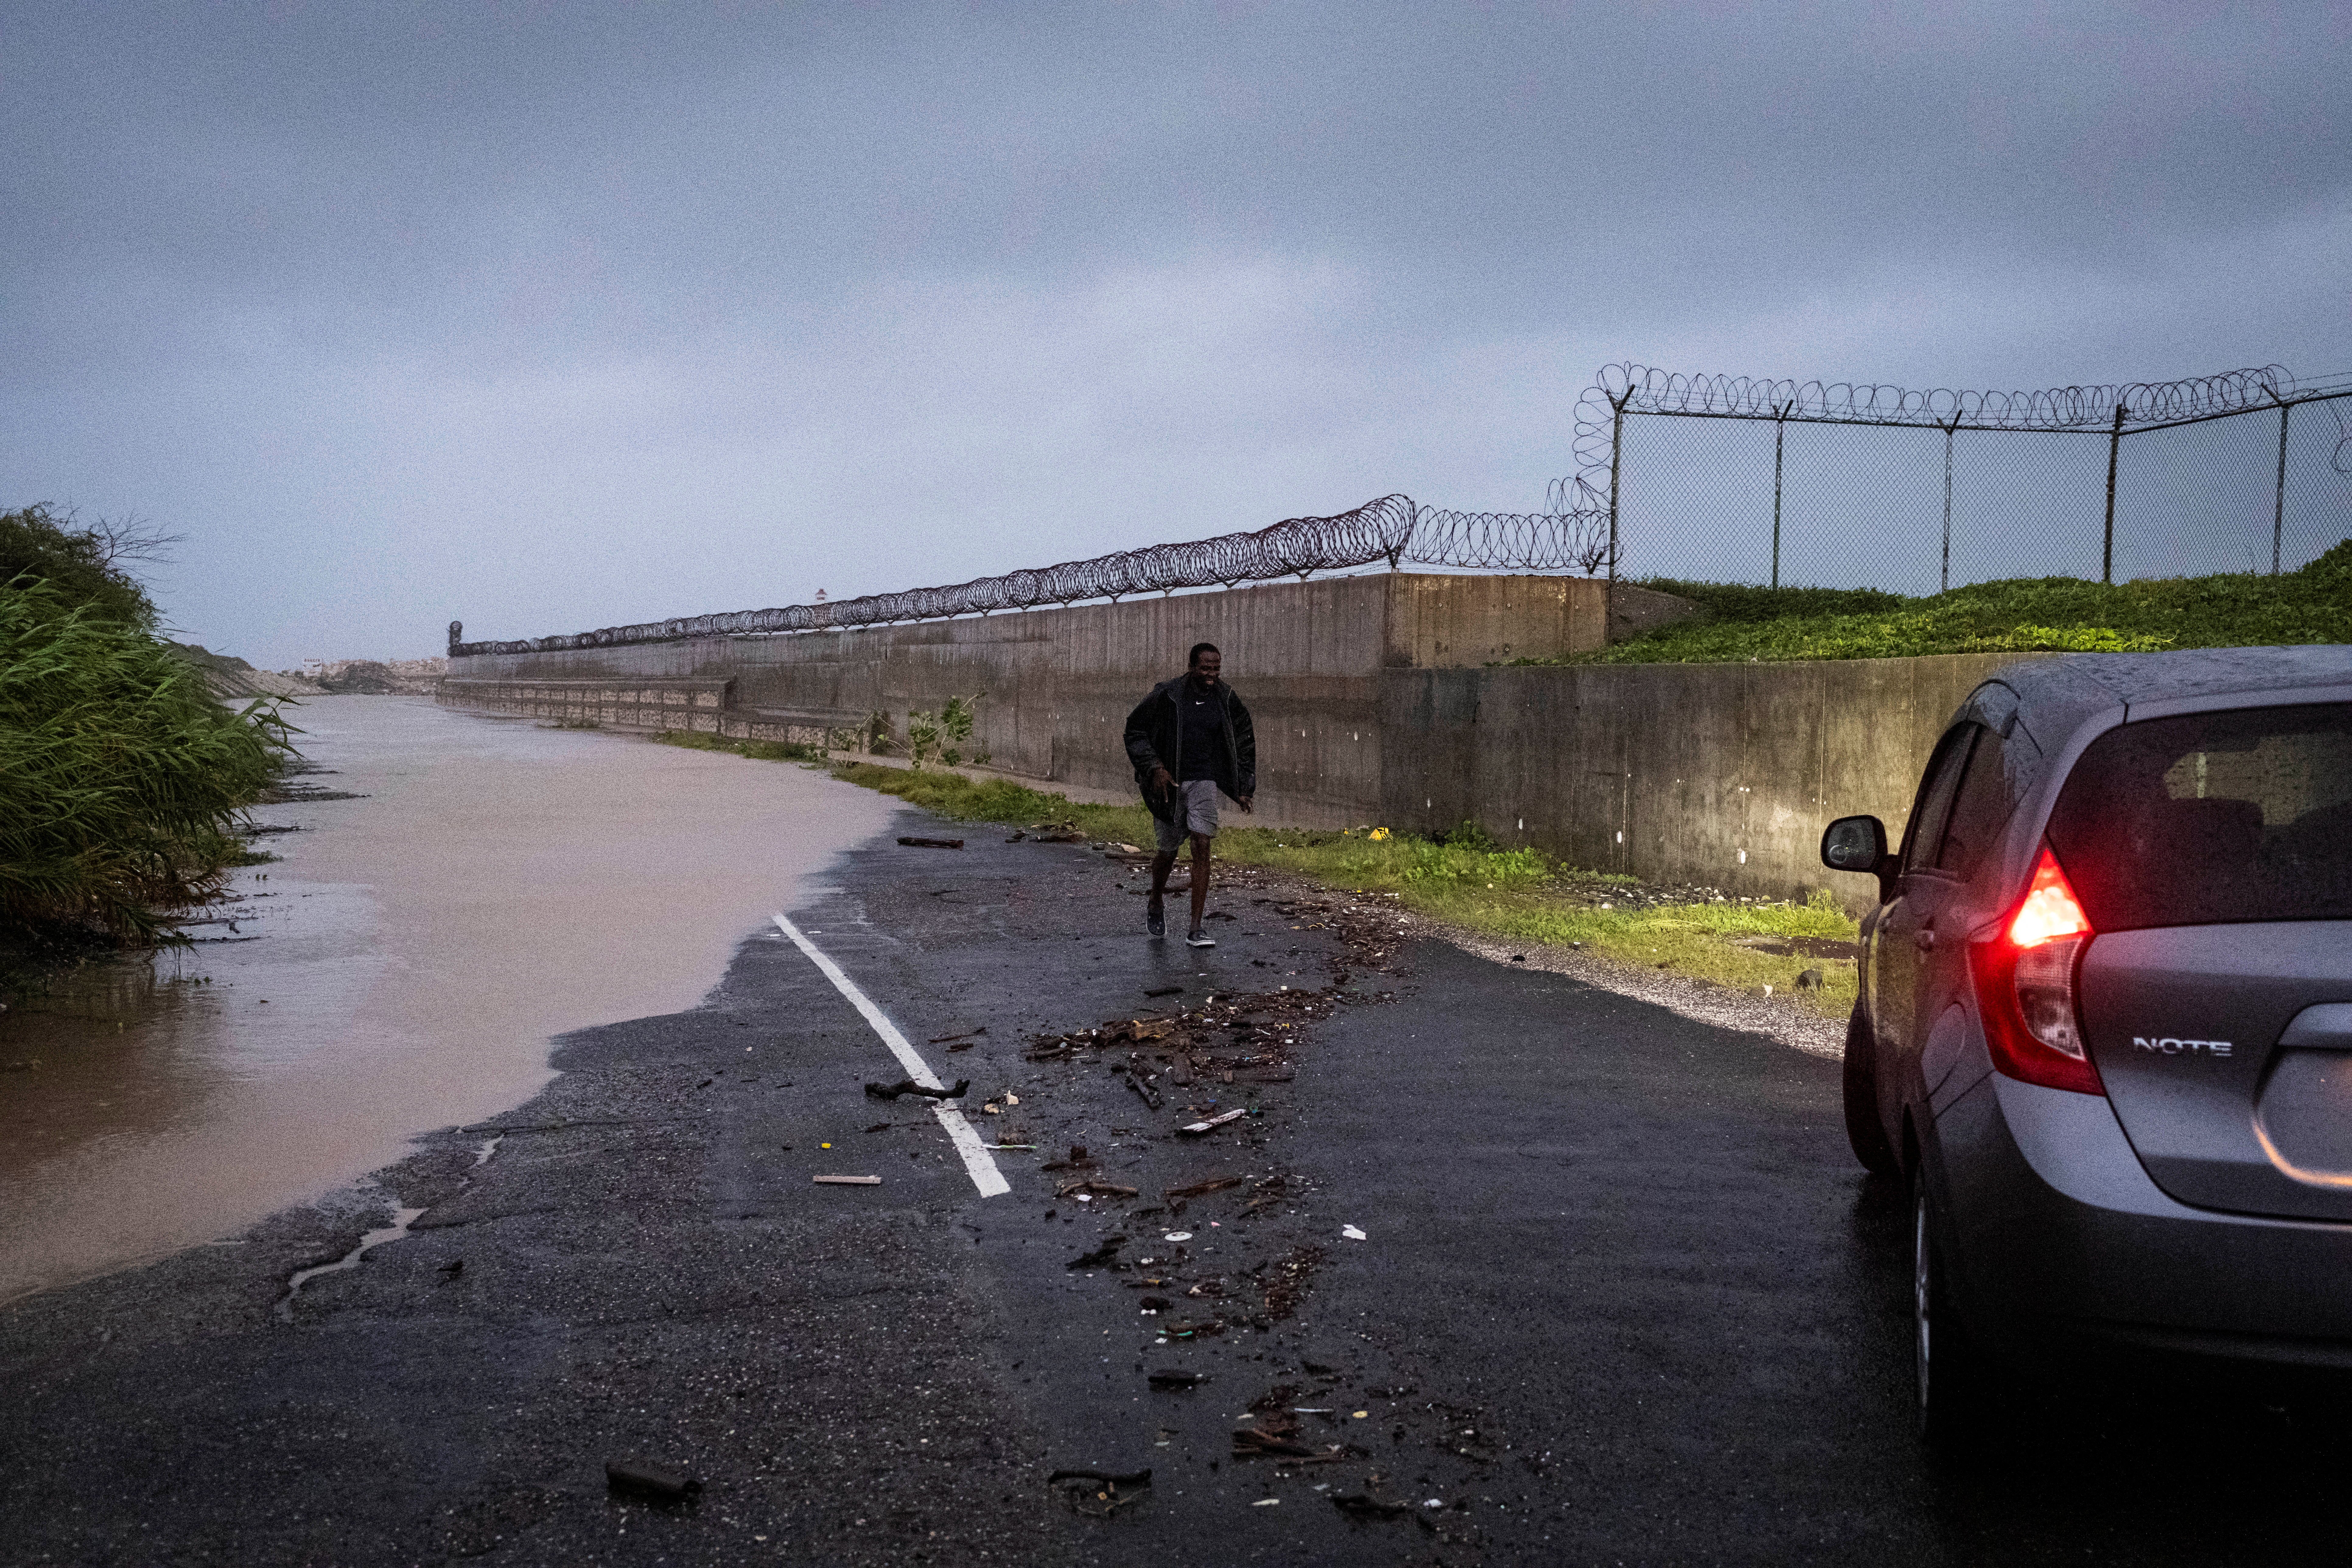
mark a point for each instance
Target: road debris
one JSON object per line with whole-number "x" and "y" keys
{"x": 1213, "y": 1184}
{"x": 848, "y": 1181}
{"x": 932, "y": 843}
{"x": 1099, "y": 1189}
{"x": 1171, "y": 1378}
{"x": 1102, "y": 1256}
{"x": 1196, "y": 1128}
{"x": 1110, "y": 1477}
{"x": 966, "y": 1034}
{"x": 1352, "y": 1234}
{"x": 908, "y": 1086}
{"x": 646, "y": 1478}
{"x": 1164, "y": 991}
{"x": 1363, "y": 1505}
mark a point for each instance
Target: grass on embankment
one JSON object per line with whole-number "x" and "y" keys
{"x": 1516, "y": 895}
{"x": 2064, "y": 615}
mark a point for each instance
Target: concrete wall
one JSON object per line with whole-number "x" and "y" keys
{"x": 1721, "y": 774}
{"x": 1056, "y": 685}
{"x": 1378, "y": 700}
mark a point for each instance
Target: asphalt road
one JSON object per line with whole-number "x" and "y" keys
{"x": 1620, "y": 1295}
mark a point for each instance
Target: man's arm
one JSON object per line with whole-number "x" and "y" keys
{"x": 1244, "y": 749}
{"x": 1140, "y": 750}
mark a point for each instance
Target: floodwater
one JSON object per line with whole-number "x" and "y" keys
{"x": 402, "y": 966}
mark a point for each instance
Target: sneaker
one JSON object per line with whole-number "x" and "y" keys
{"x": 1155, "y": 920}
{"x": 1198, "y": 937}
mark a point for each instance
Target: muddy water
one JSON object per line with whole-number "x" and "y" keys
{"x": 402, "y": 966}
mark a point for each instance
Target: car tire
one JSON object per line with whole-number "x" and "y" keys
{"x": 1863, "y": 1129}
{"x": 1950, "y": 1372}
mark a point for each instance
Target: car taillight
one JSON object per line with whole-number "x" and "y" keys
{"x": 2024, "y": 969}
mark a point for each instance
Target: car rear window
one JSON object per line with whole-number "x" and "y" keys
{"x": 2211, "y": 818}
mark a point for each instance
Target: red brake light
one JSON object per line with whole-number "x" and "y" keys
{"x": 2024, "y": 970}
{"x": 2050, "y": 908}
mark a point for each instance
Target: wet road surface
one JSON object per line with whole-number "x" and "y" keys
{"x": 1620, "y": 1295}
{"x": 451, "y": 890}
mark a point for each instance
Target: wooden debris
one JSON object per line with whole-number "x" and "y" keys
{"x": 848, "y": 1181}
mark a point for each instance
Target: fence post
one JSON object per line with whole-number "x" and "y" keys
{"x": 2278, "y": 496}
{"x": 2115, "y": 450}
{"x": 1616, "y": 457}
{"x": 1944, "y": 584}
{"x": 1780, "y": 437}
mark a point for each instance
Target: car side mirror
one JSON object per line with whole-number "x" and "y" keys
{"x": 1858, "y": 844}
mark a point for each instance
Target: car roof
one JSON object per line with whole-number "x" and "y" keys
{"x": 2056, "y": 695}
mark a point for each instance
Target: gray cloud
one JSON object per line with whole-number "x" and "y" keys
{"x": 557, "y": 316}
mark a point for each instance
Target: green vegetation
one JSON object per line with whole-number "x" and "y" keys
{"x": 1464, "y": 879}
{"x": 2027, "y": 615}
{"x": 124, "y": 778}
{"x": 757, "y": 751}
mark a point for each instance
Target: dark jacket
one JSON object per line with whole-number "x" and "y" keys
{"x": 1155, "y": 738}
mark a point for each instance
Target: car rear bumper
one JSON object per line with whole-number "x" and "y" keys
{"x": 2054, "y": 1228}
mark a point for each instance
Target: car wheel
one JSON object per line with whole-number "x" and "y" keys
{"x": 1863, "y": 1128}
{"x": 1951, "y": 1374}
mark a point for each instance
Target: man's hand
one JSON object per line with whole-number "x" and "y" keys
{"x": 1246, "y": 803}
{"x": 1160, "y": 782}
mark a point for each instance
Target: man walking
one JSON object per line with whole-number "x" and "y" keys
{"x": 1190, "y": 739}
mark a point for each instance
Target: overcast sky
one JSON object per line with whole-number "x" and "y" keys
{"x": 548, "y": 316}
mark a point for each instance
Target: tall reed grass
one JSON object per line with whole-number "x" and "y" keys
{"x": 121, "y": 778}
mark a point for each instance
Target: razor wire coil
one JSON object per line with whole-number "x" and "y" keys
{"x": 1392, "y": 528}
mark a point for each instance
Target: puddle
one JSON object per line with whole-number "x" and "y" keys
{"x": 401, "y": 1220}
{"x": 402, "y": 967}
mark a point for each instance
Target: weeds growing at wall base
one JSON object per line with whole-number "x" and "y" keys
{"x": 1465, "y": 879}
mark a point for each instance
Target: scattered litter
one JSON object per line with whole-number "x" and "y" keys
{"x": 1086, "y": 1197}
{"x": 1362, "y": 1505}
{"x": 649, "y": 1480}
{"x": 1215, "y": 1184}
{"x": 1174, "y": 1379}
{"x": 1213, "y": 1122}
{"x": 1266, "y": 1502}
{"x": 1352, "y": 1234}
{"x": 908, "y": 1086}
{"x": 1102, "y": 1256}
{"x": 968, "y": 1034}
{"x": 848, "y": 1181}
{"x": 1178, "y": 1236}
{"x": 932, "y": 843}
{"x": 1099, "y": 1189}
{"x": 1258, "y": 1442}
{"x": 1150, "y": 1095}
{"x": 1164, "y": 991}
{"x": 1111, "y": 1477}
{"x": 1028, "y": 1146}
{"x": 1359, "y": 1415}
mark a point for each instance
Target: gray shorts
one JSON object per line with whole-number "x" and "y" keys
{"x": 1196, "y": 812}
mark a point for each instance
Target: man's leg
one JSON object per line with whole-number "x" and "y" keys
{"x": 1200, "y": 878}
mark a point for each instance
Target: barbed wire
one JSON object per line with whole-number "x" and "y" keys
{"x": 1631, "y": 388}
{"x": 1392, "y": 528}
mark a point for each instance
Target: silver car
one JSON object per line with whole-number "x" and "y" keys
{"x": 2104, "y": 1027}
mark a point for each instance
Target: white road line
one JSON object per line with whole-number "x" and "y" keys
{"x": 976, "y": 1159}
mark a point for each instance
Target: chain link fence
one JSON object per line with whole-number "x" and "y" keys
{"x": 1729, "y": 479}
{"x": 1720, "y": 480}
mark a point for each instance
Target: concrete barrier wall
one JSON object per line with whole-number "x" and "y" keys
{"x": 1378, "y": 699}
{"x": 1721, "y": 774}
{"x": 1056, "y": 685}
